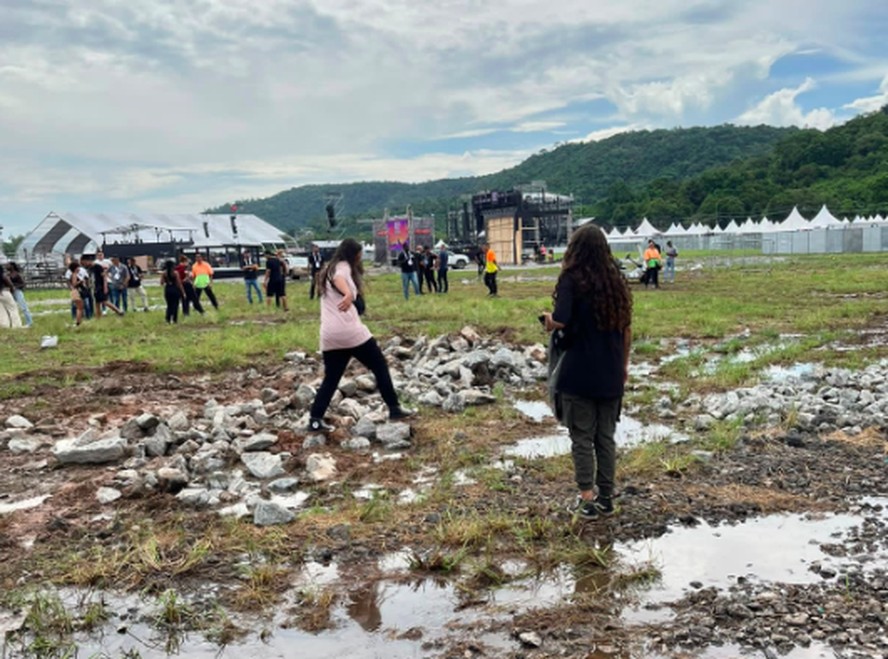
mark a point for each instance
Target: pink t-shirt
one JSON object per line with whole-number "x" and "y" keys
{"x": 341, "y": 330}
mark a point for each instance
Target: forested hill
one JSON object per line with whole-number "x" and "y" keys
{"x": 845, "y": 167}
{"x": 590, "y": 171}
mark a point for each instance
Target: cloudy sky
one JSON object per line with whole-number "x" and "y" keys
{"x": 170, "y": 106}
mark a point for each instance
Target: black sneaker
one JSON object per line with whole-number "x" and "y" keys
{"x": 586, "y": 509}
{"x": 605, "y": 505}
{"x": 401, "y": 413}
{"x": 318, "y": 425}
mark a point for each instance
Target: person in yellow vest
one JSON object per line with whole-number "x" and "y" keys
{"x": 202, "y": 272}
{"x": 491, "y": 267}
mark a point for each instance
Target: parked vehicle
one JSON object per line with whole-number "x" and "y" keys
{"x": 457, "y": 261}
{"x": 297, "y": 266}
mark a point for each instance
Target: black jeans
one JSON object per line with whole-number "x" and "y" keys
{"x": 172, "y": 296}
{"x": 430, "y": 280}
{"x": 212, "y": 296}
{"x": 190, "y": 299}
{"x": 335, "y": 363}
{"x": 490, "y": 282}
{"x": 443, "y": 284}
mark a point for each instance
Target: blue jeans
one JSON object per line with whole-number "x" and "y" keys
{"x": 119, "y": 298}
{"x": 19, "y": 296}
{"x": 406, "y": 278}
{"x": 253, "y": 284}
{"x": 669, "y": 271}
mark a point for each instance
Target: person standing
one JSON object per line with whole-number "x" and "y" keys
{"x": 100, "y": 287}
{"x": 428, "y": 267}
{"x": 652, "y": 265}
{"x": 671, "y": 255}
{"x": 18, "y": 291}
{"x": 78, "y": 285}
{"x": 315, "y": 263}
{"x": 135, "y": 282}
{"x": 443, "y": 260}
{"x": 491, "y": 267}
{"x": 276, "y": 280}
{"x": 173, "y": 291}
{"x": 202, "y": 272}
{"x": 407, "y": 262}
{"x": 251, "y": 276}
{"x": 344, "y": 335}
{"x": 593, "y": 308}
{"x": 190, "y": 298}
{"x": 9, "y": 313}
{"x": 118, "y": 283}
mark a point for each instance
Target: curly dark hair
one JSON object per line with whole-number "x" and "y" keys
{"x": 349, "y": 250}
{"x": 589, "y": 263}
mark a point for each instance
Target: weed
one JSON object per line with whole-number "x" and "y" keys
{"x": 722, "y": 436}
{"x": 437, "y": 560}
{"x": 377, "y": 509}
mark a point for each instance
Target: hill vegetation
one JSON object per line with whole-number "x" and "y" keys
{"x": 594, "y": 172}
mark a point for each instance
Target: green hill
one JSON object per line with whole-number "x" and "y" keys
{"x": 845, "y": 168}
{"x": 593, "y": 172}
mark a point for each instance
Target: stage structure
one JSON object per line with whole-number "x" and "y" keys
{"x": 518, "y": 222}
{"x": 390, "y": 233}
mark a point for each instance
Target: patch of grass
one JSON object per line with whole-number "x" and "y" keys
{"x": 437, "y": 560}
{"x": 377, "y": 509}
{"x": 262, "y": 588}
{"x": 722, "y": 436}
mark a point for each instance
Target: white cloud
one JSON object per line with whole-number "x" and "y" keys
{"x": 604, "y": 133}
{"x": 871, "y": 103}
{"x": 781, "y": 109}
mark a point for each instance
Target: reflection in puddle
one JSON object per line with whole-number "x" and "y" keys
{"x": 537, "y": 410}
{"x": 776, "y": 373}
{"x": 718, "y": 555}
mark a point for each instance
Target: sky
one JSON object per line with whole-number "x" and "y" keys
{"x": 168, "y": 106}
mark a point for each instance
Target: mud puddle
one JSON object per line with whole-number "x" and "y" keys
{"x": 795, "y": 552}
{"x": 630, "y": 432}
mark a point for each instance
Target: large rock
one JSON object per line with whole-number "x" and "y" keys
{"x": 24, "y": 444}
{"x": 179, "y": 421}
{"x": 267, "y": 513}
{"x": 258, "y": 442}
{"x": 394, "y": 436}
{"x": 263, "y": 464}
{"x": 365, "y": 427}
{"x": 97, "y": 451}
{"x": 157, "y": 444}
{"x": 18, "y": 421}
{"x": 320, "y": 466}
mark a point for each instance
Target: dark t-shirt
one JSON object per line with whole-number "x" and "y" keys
{"x": 275, "y": 269}
{"x": 250, "y": 268}
{"x": 442, "y": 260}
{"x": 98, "y": 275}
{"x": 135, "y": 273}
{"x": 594, "y": 363}
{"x": 407, "y": 262}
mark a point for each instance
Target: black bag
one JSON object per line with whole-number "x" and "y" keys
{"x": 360, "y": 305}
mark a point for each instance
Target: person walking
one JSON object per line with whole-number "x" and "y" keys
{"x": 593, "y": 311}
{"x": 190, "y": 298}
{"x": 443, "y": 261}
{"x": 491, "y": 267}
{"x": 100, "y": 287}
{"x": 671, "y": 255}
{"x": 343, "y": 335}
{"x": 202, "y": 273}
{"x": 407, "y": 262}
{"x": 78, "y": 285}
{"x": 315, "y": 263}
{"x": 652, "y": 264}
{"x": 135, "y": 283}
{"x": 429, "y": 268}
{"x": 18, "y": 291}
{"x": 118, "y": 283}
{"x": 9, "y": 312}
{"x": 276, "y": 280}
{"x": 251, "y": 276}
{"x": 173, "y": 291}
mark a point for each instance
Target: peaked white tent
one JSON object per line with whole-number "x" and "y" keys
{"x": 732, "y": 227}
{"x": 748, "y": 226}
{"x": 674, "y": 230}
{"x": 794, "y": 222}
{"x": 824, "y": 219}
{"x": 646, "y": 229}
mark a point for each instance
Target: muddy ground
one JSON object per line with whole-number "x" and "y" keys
{"x": 832, "y": 611}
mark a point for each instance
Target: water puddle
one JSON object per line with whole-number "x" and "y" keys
{"x": 24, "y": 504}
{"x": 718, "y": 555}
{"x": 536, "y": 410}
{"x": 793, "y": 373}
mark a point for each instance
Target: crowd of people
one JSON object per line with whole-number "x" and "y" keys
{"x": 423, "y": 267}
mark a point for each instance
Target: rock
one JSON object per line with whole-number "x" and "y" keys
{"x": 283, "y": 484}
{"x": 24, "y": 444}
{"x": 262, "y": 464}
{"x": 209, "y": 458}
{"x": 268, "y": 514}
{"x": 431, "y": 398}
{"x": 703, "y": 421}
{"x": 198, "y": 497}
{"x": 107, "y": 495}
{"x": 131, "y": 430}
{"x": 366, "y": 383}
{"x": 453, "y": 403}
{"x": 172, "y": 479}
{"x": 320, "y": 466}
{"x": 147, "y": 422}
{"x": 365, "y": 427}
{"x": 475, "y": 397}
{"x": 97, "y": 451}
{"x": 258, "y": 442}
{"x": 305, "y": 395}
{"x": 797, "y": 619}
{"x": 394, "y": 436}
{"x": 19, "y": 422}
{"x": 157, "y": 444}
{"x": 179, "y": 421}
{"x": 356, "y": 444}
{"x": 470, "y": 335}
{"x": 530, "y": 639}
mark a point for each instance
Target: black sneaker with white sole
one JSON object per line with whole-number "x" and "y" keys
{"x": 605, "y": 505}
{"x": 318, "y": 425}
{"x": 401, "y": 413}
{"x": 585, "y": 509}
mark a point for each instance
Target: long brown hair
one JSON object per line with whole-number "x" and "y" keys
{"x": 597, "y": 279}
{"x": 349, "y": 250}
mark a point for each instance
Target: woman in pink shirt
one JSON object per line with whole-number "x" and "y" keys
{"x": 344, "y": 335}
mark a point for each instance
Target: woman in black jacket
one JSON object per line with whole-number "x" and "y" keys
{"x": 593, "y": 308}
